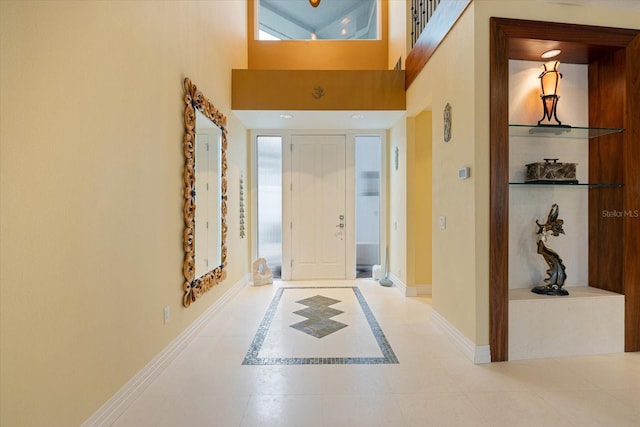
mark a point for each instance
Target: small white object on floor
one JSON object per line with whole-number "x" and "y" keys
{"x": 376, "y": 272}
{"x": 261, "y": 273}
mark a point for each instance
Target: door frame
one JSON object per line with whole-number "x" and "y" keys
{"x": 350, "y": 136}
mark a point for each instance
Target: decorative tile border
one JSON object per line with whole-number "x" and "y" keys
{"x": 252, "y": 357}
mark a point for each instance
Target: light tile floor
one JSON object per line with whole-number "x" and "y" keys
{"x": 433, "y": 384}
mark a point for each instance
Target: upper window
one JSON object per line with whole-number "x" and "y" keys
{"x": 329, "y": 20}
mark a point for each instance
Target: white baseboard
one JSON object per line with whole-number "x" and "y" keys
{"x": 423, "y": 289}
{"x": 401, "y": 286}
{"x": 409, "y": 291}
{"x": 119, "y": 402}
{"x": 476, "y": 353}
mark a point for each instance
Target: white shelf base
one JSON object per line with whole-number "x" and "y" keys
{"x": 587, "y": 321}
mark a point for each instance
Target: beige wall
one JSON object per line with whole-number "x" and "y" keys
{"x": 458, "y": 73}
{"x": 91, "y": 187}
{"x": 397, "y": 32}
{"x": 356, "y": 90}
{"x": 422, "y": 195}
{"x": 397, "y": 200}
{"x": 448, "y": 78}
{"x": 418, "y": 193}
{"x": 409, "y": 161}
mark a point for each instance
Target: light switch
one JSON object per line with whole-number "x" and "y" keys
{"x": 442, "y": 222}
{"x": 463, "y": 173}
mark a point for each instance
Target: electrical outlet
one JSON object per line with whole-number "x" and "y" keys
{"x": 166, "y": 314}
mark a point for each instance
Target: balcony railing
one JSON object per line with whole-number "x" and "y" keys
{"x": 429, "y": 21}
{"x": 421, "y": 13}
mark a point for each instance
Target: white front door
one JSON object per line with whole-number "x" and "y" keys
{"x": 318, "y": 225}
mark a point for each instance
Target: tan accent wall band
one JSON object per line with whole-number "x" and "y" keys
{"x": 318, "y": 90}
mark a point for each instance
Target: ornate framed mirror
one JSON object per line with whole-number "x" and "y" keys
{"x": 205, "y": 186}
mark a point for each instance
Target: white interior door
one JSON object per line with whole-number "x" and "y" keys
{"x": 318, "y": 194}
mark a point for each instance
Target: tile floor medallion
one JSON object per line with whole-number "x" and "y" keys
{"x": 318, "y": 314}
{"x": 339, "y": 328}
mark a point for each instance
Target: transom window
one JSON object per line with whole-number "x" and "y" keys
{"x": 329, "y": 20}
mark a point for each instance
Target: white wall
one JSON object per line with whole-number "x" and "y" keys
{"x": 397, "y": 32}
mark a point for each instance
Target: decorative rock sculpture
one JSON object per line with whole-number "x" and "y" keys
{"x": 447, "y": 122}
{"x": 261, "y": 273}
{"x": 556, "y": 271}
{"x": 550, "y": 172}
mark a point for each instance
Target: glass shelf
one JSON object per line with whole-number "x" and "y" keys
{"x": 559, "y": 184}
{"x": 554, "y": 131}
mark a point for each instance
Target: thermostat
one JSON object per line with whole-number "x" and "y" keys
{"x": 463, "y": 173}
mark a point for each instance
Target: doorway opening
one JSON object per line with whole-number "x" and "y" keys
{"x": 368, "y": 164}
{"x": 299, "y": 178}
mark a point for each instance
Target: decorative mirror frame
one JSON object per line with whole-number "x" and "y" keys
{"x": 193, "y": 286}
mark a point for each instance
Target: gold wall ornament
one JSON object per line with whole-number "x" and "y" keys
{"x": 318, "y": 92}
{"x": 314, "y": 3}
{"x": 193, "y": 286}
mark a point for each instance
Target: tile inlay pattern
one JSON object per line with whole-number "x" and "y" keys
{"x": 318, "y": 314}
{"x": 252, "y": 357}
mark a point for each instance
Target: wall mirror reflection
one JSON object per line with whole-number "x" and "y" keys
{"x": 207, "y": 216}
{"x": 205, "y": 194}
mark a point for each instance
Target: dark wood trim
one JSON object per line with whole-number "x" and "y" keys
{"x": 443, "y": 19}
{"x": 606, "y": 109}
{"x": 583, "y": 35}
{"x": 618, "y": 52}
{"x": 499, "y": 195}
{"x": 631, "y": 226}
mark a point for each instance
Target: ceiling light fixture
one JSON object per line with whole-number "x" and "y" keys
{"x": 550, "y": 53}
{"x": 357, "y": 116}
{"x": 286, "y": 116}
{"x": 314, "y": 3}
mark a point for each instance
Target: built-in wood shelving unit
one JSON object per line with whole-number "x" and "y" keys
{"x": 613, "y": 59}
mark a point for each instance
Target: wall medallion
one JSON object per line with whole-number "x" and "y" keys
{"x": 318, "y": 92}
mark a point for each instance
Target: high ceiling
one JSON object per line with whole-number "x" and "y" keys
{"x": 332, "y": 19}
